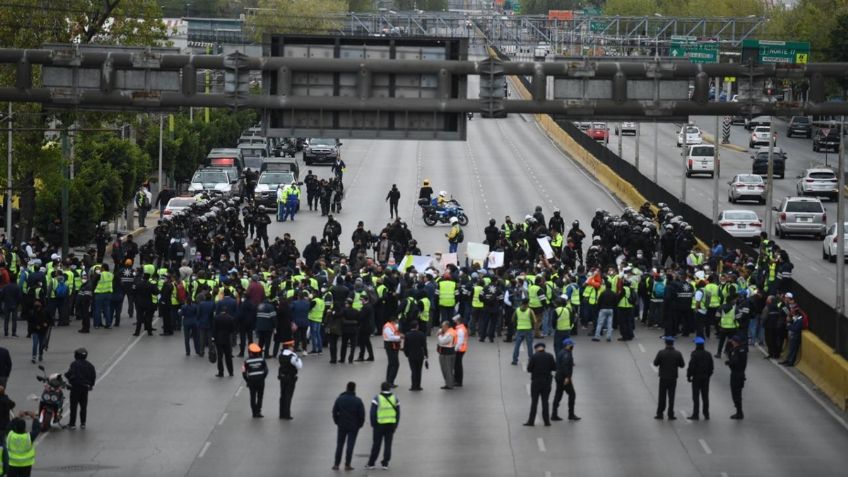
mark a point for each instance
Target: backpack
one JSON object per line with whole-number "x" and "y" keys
{"x": 61, "y": 290}
{"x": 182, "y": 296}
{"x": 142, "y": 201}
{"x": 460, "y": 236}
{"x": 659, "y": 289}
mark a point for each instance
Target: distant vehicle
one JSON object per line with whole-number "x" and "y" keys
{"x": 760, "y": 162}
{"x": 178, "y": 204}
{"x": 266, "y": 188}
{"x": 826, "y": 139}
{"x": 690, "y": 135}
{"x": 762, "y": 136}
{"x": 746, "y": 187}
{"x": 751, "y": 123}
{"x": 627, "y": 127}
{"x": 599, "y": 132}
{"x": 321, "y": 151}
{"x": 829, "y": 242}
{"x": 213, "y": 181}
{"x": 818, "y": 182}
{"x": 583, "y": 125}
{"x": 541, "y": 50}
{"x": 282, "y": 165}
{"x": 227, "y": 158}
{"x": 800, "y": 126}
{"x": 800, "y": 216}
{"x": 740, "y": 223}
{"x": 700, "y": 159}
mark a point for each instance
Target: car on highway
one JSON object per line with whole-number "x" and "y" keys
{"x": 266, "y": 187}
{"x": 213, "y": 181}
{"x": 700, "y": 159}
{"x": 746, "y": 187}
{"x": 627, "y": 128}
{"x": 800, "y": 216}
{"x": 829, "y": 242}
{"x": 799, "y": 126}
{"x": 818, "y": 182}
{"x": 599, "y": 132}
{"x": 761, "y": 136}
{"x": 178, "y": 204}
{"x": 826, "y": 139}
{"x": 321, "y": 151}
{"x": 583, "y": 125}
{"x": 751, "y": 123}
{"x": 741, "y": 223}
{"x": 690, "y": 134}
{"x": 759, "y": 161}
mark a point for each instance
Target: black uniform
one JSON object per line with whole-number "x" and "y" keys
{"x": 668, "y": 361}
{"x": 223, "y": 327}
{"x": 81, "y": 378}
{"x": 254, "y": 371}
{"x": 737, "y": 361}
{"x": 415, "y": 348}
{"x": 289, "y": 364}
{"x": 393, "y": 198}
{"x": 144, "y": 292}
{"x": 540, "y": 367}
{"x": 699, "y": 372}
{"x": 565, "y": 368}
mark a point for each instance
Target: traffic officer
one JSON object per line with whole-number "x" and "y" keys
{"x": 461, "y": 348}
{"x": 290, "y": 363}
{"x": 392, "y": 340}
{"x": 668, "y": 360}
{"x": 737, "y": 361}
{"x": 565, "y": 368}
{"x": 254, "y": 371}
{"x": 727, "y": 324}
{"x": 446, "y": 291}
{"x": 385, "y": 416}
{"x": 563, "y": 323}
{"x": 540, "y": 367}
{"x": 698, "y": 373}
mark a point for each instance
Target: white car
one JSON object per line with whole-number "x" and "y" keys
{"x": 178, "y": 204}
{"x": 829, "y": 242}
{"x": 818, "y": 182}
{"x": 627, "y": 127}
{"x": 690, "y": 134}
{"x": 741, "y": 223}
{"x": 746, "y": 187}
{"x": 212, "y": 181}
{"x": 700, "y": 159}
{"x": 761, "y": 136}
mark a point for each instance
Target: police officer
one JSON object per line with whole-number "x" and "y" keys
{"x": 385, "y": 416}
{"x": 540, "y": 367}
{"x": 81, "y": 378}
{"x": 254, "y": 371}
{"x": 698, "y": 373}
{"x": 668, "y": 360}
{"x": 565, "y": 368}
{"x": 737, "y": 361}
{"x": 290, "y": 364}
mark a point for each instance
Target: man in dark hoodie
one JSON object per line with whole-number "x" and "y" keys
{"x": 349, "y": 416}
{"x": 81, "y": 378}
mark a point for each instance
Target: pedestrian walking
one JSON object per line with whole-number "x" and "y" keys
{"x": 392, "y": 342}
{"x": 393, "y": 198}
{"x": 385, "y": 417}
{"x": 447, "y": 353}
{"x": 81, "y": 377}
{"x": 223, "y": 327}
{"x": 737, "y": 361}
{"x": 349, "y": 417}
{"x": 39, "y": 329}
{"x": 668, "y": 360}
{"x": 415, "y": 349}
{"x": 290, "y": 365}
{"x": 142, "y": 204}
{"x": 698, "y": 373}
{"x": 564, "y": 382}
{"x": 254, "y": 371}
{"x": 540, "y": 367}
{"x": 12, "y": 298}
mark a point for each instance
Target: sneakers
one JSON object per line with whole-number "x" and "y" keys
{"x": 385, "y": 466}
{"x": 72, "y": 427}
{"x": 369, "y": 467}
{"x": 82, "y": 426}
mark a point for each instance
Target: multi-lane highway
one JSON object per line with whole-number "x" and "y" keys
{"x": 813, "y": 272}
{"x": 156, "y": 412}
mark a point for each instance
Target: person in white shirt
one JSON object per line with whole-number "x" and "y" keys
{"x": 392, "y": 339}
{"x": 447, "y": 353}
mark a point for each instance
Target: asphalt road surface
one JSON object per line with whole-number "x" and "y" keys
{"x": 811, "y": 270}
{"x": 156, "y": 412}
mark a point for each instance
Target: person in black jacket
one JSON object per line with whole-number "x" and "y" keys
{"x": 699, "y": 372}
{"x": 144, "y": 294}
{"x": 5, "y": 365}
{"x": 737, "y": 360}
{"x": 668, "y": 360}
{"x": 415, "y": 349}
{"x": 81, "y": 377}
{"x": 223, "y": 327}
{"x": 254, "y": 371}
{"x": 349, "y": 416}
{"x": 350, "y": 328}
{"x": 565, "y": 368}
{"x": 540, "y": 367}
{"x": 393, "y": 198}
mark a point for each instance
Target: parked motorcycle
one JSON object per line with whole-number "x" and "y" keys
{"x": 433, "y": 215}
{"x": 52, "y": 399}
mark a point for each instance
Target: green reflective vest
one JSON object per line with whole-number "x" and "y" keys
{"x": 535, "y": 299}
{"x": 425, "y": 312}
{"x": 357, "y": 301}
{"x": 728, "y": 319}
{"x": 625, "y": 300}
{"x": 591, "y": 295}
{"x": 316, "y": 313}
{"x": 523, "y": 321}
{"x": 104, "y": 285}
{"x": 447, "y": 293}
{"x": 387, "y": 409}
{"x": 712, "y": 290}
{"x": 475, "y": 297}
{"x": 20, "y": 449}
{"x": 563, "y": 318}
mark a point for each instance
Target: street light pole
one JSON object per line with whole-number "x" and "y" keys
{"x": 638, "y": 138}
{"x": 9, "y": 180}
{"x": 66, "y": 153}
{"x": 159, "y": 177}
{"x": 770, "y": 178}
{"x": 840, "y": 237}
{"x": 656, "y": 153}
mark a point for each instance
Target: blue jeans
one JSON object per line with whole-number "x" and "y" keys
{"x": 38, "y": 344}
{"x": 794, "y": 347}
{"x": 290, "y": 210}
{"x": 547, "y": 329}
{"x": 102, "y": 304}
{"x": 452, "y": 247}
{"x": 527, "y": 337}
{"x": 755, "y": 332}
{"x": 315, "y": 336}
{"x": 190, "y": 332}
{"x": 281, "y": 208}
{"x": 604, "y": 319}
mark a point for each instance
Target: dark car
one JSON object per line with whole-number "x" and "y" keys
{"x": 321, "y": 151}
{"x": 760, "y": 163}
{"x": 800, "y": 126}
{"x": 826, "y": 139}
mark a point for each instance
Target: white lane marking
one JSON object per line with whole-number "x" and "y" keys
{"x": 814, "y": 268}
{"x": 238, "y": 391}
{"x": 641, "y": 348}
{"x": 656, "y": 369}
{"x": 705, "y": 446}
{"x": 223, "y": 416}
{"x": 541, "y": 443}
{"x": 527, "y": 388}
{"x": 203, "y": 451}
{"x": 548, "y": 473}
{"x": 806, "y": 389}
{"x": 723, "y": 474}
{"x": 121, "y": 357}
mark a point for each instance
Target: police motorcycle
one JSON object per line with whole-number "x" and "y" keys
{"x": 52, "y": 399}
{"x": 434, "y": 214}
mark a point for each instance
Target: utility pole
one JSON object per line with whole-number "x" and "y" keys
{"x": 9, "y": 180}
{"x": 638, "y": 138}
{"x": 770, "y": 178}
{"x": 840, "y": 238}
{"x": 66, "y": 158}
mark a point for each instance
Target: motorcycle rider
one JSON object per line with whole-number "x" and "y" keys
{"x": 81, "y": 378}
{"x": 425, "y": 192}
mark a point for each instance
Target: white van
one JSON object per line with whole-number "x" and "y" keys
{"x": 700, "y": 159}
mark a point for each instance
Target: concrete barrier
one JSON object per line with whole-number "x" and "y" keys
{"x": 826, "y": 369}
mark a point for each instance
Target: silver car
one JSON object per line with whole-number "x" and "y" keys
{"x": 800, "y": 216}
{"x": 746, "y": 187}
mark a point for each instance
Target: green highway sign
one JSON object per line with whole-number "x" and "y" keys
{"x": 598, "y": 26}
{"x": 770, "y": 52}
{"x": 695, "y": 51}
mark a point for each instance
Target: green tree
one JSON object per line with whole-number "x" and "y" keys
{"x": 360, "y": 5}
{"x": 839, "y": 39}
{"x": 631, "y": 7}
{"x": 295, "y": 16}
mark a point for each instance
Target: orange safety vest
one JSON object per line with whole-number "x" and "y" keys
{"x": 452, "y": 332}
{"x": 394, "y": 328}
{"x": 464, "y": 347}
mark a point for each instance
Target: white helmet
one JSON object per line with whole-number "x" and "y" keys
{"x": 443, "y": 193}
{"x": 454, "y": 220}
